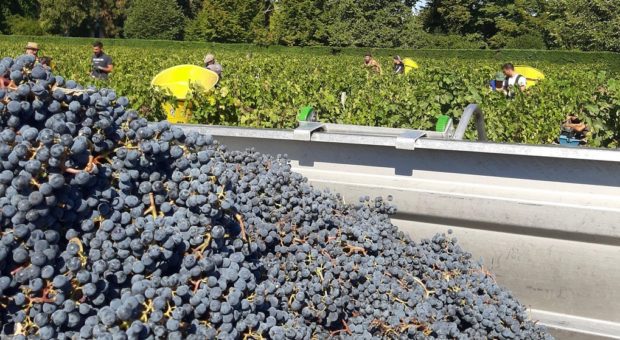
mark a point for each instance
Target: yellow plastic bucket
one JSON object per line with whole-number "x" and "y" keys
{"x": 178, "y": 80}
{"x": 410, "y": 65}
{"x": 532, "y": 75}
{"x": 179, "y": 112}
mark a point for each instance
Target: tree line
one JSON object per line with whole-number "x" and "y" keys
{"x": 534, "y": 24}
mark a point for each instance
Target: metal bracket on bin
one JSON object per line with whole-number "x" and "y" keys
{"x": 406, "y": 141}
{"x": 305, "y": 130}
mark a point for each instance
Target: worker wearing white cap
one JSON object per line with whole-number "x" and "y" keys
{"x": 213, "y": 65}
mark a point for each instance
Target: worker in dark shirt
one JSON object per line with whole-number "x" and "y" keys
{"x": 101, "y": 62}
{"x": 399, "y": 67}
{"x": 46, "y": 62}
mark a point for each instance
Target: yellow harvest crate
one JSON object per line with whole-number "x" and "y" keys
{"x": 178, "y": 80}
{"x": 532, "y": 75}
{"x": 410, "y": 65}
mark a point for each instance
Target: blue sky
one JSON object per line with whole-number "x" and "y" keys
{"x": 419, "y": 5}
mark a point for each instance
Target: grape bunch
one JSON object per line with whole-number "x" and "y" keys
{"x": 112, "y": 227}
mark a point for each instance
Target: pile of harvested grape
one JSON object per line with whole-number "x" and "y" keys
{"x": 114, "y": 228}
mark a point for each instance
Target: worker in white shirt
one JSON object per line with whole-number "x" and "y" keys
{"x": 513, "y": 79}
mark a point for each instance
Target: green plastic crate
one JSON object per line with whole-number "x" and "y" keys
{"x": 305, "y": 113}
{"x": 442, "y": 123}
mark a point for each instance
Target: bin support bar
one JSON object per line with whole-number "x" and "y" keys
{"x": 471, "y": 110}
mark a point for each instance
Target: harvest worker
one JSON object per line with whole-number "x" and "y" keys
{"x": 399, "y": 67}
{"x": 372, "y": 64}
{"x": 212, "y": 65}
{"x": 497, "y": 83}
{"x": 512, "y": 79}
{"x": 4, "y": 77}
{"x": 32, "y": 48}
{"x": 101, "y": 62}
{"x": 46, "y": 62}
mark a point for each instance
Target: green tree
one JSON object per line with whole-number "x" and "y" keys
{"x": 20, "y": 13}
{"x": 94, "y": 18}
{"x": 510, "y": 22}
{"x": 341, "y": 23}
{"x": 583, "y": 24}
{"x": 296, "y": 22}
{"x": 414, "y": 36}
{"x": 260, "y": 26}
{"x": 154, "y": 19}
{"x": 451, "y": 16}
{"x": 190, "y": 8}
{"x": 497, "y": 22}
{"x": 383, "y": 22}
{"x": 106, "y": 18}
{"x": 23, "y": 25}
{"x": 65, "y": 17}
{"x": 224, "y": 21}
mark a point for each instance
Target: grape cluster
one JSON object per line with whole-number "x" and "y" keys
{"x": 116, "y": 228}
